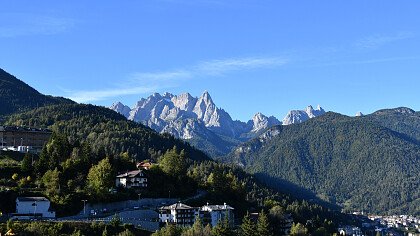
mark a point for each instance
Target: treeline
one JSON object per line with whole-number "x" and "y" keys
{"x": 71, "y": 229}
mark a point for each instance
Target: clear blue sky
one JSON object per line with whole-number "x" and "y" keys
{"x": 252, "y": 56}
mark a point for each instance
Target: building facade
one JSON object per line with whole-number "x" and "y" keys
{"x": 33, "y": 207}
{"x": 179, "y": 214}
{"x": 184, "y": 215}
{"x": 23, "y": 139}
{"x": 135, "y": 178}
{"x": 212, "y": 214}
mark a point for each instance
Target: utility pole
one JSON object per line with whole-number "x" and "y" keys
{"x": 84, "y": 206}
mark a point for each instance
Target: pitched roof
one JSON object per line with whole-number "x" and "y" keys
{"x": 218, "y": 207}
{"x": 32, "y": 199}
{"x": 144, "y": 165}
{"x": 130, "y": 174}
{"x": 177, "y": 206}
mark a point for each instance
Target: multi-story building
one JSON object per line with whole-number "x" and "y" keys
{"x": 184, "y": 215}
{"x": 179, "y": 214}
{"x": 212, "y": 214}
{"x": 135, "y": 178}
{"x": 23, "y": 139}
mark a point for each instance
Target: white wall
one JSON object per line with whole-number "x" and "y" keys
{"x": 32, "y": 207}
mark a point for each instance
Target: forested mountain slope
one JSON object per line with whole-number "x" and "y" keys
{"x": 403, "y": 120}
{"x": 107, "y": 132}
{"x": 353, "y": 162}
{"x": 18, "y": 96}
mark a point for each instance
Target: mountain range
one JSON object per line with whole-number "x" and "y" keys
{"x": 368, "y": 162}
{"x": 199, "y": 121}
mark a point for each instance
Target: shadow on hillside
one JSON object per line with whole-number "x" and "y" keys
{"x": 287, "y": 187}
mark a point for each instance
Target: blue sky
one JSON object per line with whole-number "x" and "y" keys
{"x": 251, "y": 55}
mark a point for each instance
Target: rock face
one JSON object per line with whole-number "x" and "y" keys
{"x": 121, "y": 108}
{"x": 299, "y": 116}
{"x": 191, "y": 118}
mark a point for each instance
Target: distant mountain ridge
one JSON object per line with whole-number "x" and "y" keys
{"x": 201, "y": 122}
{"x": 366, "y": 163}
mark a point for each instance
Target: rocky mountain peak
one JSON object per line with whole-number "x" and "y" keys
{"x": 299, "y": 116}
{"x": 121, "y": 108}
{"x": 359, "y": 114}
{"x": 261, "y": 122}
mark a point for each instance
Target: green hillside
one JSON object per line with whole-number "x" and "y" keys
{"x": 17, "y": 96}
{"x": 352, "y": 162}
{"x": 402, "y": 120}
{"x": 107, "y": 132}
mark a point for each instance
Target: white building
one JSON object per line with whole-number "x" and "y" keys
{"x": 179, "y": 214}
{"x": 350, "y": 230}
{"x": 33, "y": 207}
{"x": 212, "y": 214}
{"x": 135, "y": 178}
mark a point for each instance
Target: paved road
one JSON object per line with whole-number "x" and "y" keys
{"x": 140, "y": 213}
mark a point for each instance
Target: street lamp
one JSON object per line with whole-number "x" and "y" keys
{"x": 35, "y": 204}
{"x": 84, "y": 206}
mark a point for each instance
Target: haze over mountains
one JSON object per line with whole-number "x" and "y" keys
{"x": 201, "y": 122}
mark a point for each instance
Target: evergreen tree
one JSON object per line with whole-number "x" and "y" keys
{"x": 26, "y": 164}
{"x": 248, "y": 227}
{"x": 197, "y": 229}
{"x": 223, "y": 228}
{"x": 263, "y": 225}
{"x": 105, "y": 232}
{"x": 207, "y": 230}
{"x": 173, "y": 163}
{"x": 298, "y": 229}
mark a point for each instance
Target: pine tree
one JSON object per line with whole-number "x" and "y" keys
{"x": 263, "y": 225}
{"x": 26, "y": 164}
{"x": 298, "y": 229}
{"x": 223, "y": 228}
{"x": 248, "y": 227}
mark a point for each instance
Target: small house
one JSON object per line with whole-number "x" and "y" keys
{"x": 135, "y": 178}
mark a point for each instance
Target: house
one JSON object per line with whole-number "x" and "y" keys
{"x": 144, "y": 165}
{"x": 33, "y": 207}
{"x": 212, "y": 214}
{"x": 135, "y": 178}
{"x": 179, "y": 214}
